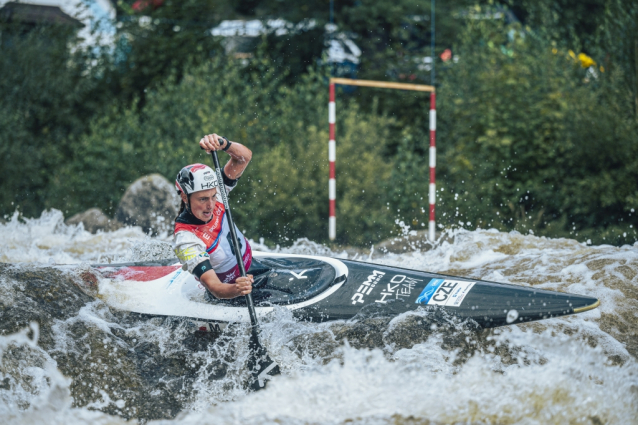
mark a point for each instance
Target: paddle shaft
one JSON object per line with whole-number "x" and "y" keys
{"x": 233, "y": 234}
{"x": 262, "y": 367}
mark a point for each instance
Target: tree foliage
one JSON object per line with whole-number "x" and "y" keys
{"x": 538, "y": 142}
{"x": 283, "y": 194}
{"x": 154, "y": 43}
{"x": 528, "y": 138}
{"x": 48, "y": 96}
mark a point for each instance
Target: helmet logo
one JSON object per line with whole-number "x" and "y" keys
{"x": 196, "y": 175}
{"x": 197, "y": 167}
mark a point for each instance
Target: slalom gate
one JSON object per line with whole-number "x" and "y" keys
{"x": 332, "y": 146}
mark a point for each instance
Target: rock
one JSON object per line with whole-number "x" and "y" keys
{"x": 96, "y": 346}
{"x": 94, "y": 219}
{"x": 151, "y": 203}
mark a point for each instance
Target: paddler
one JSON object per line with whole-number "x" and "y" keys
{"x": 202, "y": 238}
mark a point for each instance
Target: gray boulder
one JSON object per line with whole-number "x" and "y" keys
{"x": 151, "y": 203}
{"x": 94, "y": 219}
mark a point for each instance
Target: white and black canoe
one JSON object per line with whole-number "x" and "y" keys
{"x": 320, "y": 289}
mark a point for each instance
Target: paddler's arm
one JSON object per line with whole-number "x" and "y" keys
{"x": 191, "y": 252}
{"x": 242, "y": 285}
{"x": 240, "y": 155}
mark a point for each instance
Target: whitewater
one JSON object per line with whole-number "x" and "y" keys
{"x": 67, "y": 357}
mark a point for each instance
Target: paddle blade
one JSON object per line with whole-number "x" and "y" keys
{"x": 261, "y": 366}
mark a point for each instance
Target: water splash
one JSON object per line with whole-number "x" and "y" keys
{"x": 415, "y": 368}
{"x": 552, "y": 379}
{"x": 47, "y": 240}
{"x": 32, "y": 390}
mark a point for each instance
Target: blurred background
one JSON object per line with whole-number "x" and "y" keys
{"x": 537, "y": 110}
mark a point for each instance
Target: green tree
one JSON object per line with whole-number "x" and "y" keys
{"x": 158, "y": 40}
{"x": 48, "y": 95}
{"x": 527, "y": 137}
{"x": 284, "y": 193}
{"x": 618, "y": 42}
{"x": 537, "y": 142}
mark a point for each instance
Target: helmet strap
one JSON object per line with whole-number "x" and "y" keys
{"x": 188, "y": 204}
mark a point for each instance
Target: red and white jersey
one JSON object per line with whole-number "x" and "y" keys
{"x": 195, "y": 241}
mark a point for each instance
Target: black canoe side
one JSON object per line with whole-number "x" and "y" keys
{"x": 389, "y": 291}
{"x": 395, "y": 290}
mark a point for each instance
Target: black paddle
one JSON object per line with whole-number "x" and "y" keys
{"x": 261, "y": 366}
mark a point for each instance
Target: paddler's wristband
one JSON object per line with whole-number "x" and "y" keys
{"x": 228, "y": 143}
{"x": 202, "y": 268}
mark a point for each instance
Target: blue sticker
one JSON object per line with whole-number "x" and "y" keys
{"x": 428, "y": 291}
{"x": 447, "y": 292}
{"x": 175, "y": 276}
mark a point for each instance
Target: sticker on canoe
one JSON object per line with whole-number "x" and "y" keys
{"x": 140, "y": 273}
{"x": 445, "y": 292}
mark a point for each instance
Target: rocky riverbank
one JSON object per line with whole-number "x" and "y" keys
{"x": 150, "y": 202}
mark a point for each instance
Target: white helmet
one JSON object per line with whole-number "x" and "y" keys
{"x": 194, "y": 178}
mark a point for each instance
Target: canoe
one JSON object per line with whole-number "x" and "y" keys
{"x": 319, "y": 289}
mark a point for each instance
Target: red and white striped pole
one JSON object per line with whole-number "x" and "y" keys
{"x": 332, "y": 154}
{"x": 432, "y": 192}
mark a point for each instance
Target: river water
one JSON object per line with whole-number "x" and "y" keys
{"x": 66, "y": 357}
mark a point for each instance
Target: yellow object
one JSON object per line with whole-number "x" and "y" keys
{"x": 186, "y": 254}
{"x": 589, "y": 307}
{"x": 585, "y": 61}
{"x": 381, "y": 84}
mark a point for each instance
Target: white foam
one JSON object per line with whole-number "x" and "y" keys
{"x": 34, "y": 391}
{"x": 563, "y": 381}
{"x": 47, "y": 240}
{"x": 554, "y": 375}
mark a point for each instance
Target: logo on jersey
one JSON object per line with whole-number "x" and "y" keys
{"x": 187, "y": 254}
{"x": 209, "y": 232}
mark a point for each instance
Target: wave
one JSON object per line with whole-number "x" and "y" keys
{"x": 66, "y": 357}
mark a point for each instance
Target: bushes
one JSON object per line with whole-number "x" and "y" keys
{"x": 530, "y": 140}
{"x": 527, "y": 140}
{"x": 283, "y": 195}
{"x": 48, "y": 95}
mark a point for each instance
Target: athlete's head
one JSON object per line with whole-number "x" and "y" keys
{"x": 197, "y": 186}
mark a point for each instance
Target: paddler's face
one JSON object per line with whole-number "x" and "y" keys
{"x": 202, "y": 203}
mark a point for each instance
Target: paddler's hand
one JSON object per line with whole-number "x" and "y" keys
{"x": 244, "y": 285}
{"x": 212, "y": 142}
